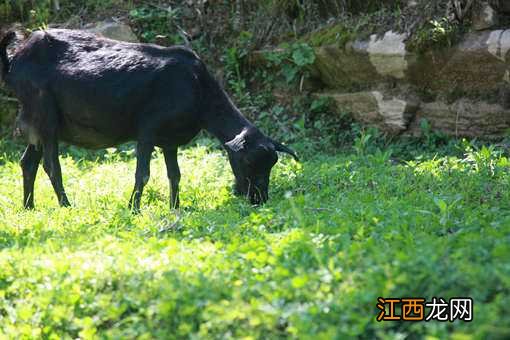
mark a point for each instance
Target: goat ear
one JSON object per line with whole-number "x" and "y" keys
{"x": 238, "y": 142}
{"x": 282, "y": 148}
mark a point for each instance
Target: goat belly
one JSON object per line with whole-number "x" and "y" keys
{"x": 90, "y": 137}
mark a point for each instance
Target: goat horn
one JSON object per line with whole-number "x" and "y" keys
{"x": 282, "y": 148}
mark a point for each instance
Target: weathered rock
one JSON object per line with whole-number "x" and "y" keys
{"x": 113, "y": 30}
{"x": 412, "y": 3}
{"x": 474, "y": 75}
{"x": 345, "y": 68}
{"x": 465, "y": 117}
{"x": 396, "y": 113}
{"x": 499, "y": 44}
{"x": 476, "y": 65}
{"x": 484, "y": 18}
{"x": 361, "y": 63}
{"x": 388, "y": 114}
{"x": 388, "y": 55}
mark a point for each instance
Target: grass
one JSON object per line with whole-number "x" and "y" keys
{"x": 338, "y": 232}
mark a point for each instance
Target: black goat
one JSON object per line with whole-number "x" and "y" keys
{"x": 94, "y": 92}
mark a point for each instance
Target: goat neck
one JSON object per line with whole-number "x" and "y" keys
{"x": 222, "y": 118}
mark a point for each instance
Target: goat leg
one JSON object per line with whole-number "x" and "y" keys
{"x": 29, "y": 165}
{"x": 174, "y": 175}
{"x": 51, "y": 165}
{"x": 143, "y": 159}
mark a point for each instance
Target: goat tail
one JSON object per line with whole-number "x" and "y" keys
{"x": 6, "y": 40}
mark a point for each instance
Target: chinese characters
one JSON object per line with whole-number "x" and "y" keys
{"x": 417, "y": 309}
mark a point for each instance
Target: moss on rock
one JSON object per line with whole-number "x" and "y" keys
{"x": 337, "y": 35}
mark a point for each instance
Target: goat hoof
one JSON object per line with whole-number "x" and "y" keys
{"x": 134, "y": 209}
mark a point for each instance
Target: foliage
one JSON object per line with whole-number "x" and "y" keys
{"x": 292, "y": 60}
{"x": 8, "y": 109}
{"x": 330, "y": 8}
{"x": 152, "y": 22}
{"x": 348, "y": 28}
{"x": 338, "y": 232}
{"x": 38, "y": 14}
{"x": 338, "y": 34}
{"x": 286, "y": 69}
{"x": 435, "y": 33}
{"x": 234, "y": 60}
{"x": 329, "y": 130}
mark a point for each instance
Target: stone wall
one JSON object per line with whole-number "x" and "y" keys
{"x": 463, "y": 90}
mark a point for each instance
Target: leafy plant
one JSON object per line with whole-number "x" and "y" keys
{"x": 435, "y": 33}
{"x": 154, "y": 22}
{"x": 361, "y": 142}
{"x": 234, "y": 60}
{"x": 292, "y": 60}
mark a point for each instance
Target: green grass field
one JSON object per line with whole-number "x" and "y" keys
{"x": 338, "y": 232}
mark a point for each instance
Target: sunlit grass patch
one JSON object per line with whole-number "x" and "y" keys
{"x": 338, "y": 232}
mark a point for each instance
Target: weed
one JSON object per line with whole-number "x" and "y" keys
{"x": 435, "y": 34}
{"x": 292, "y": 61}
{"x": 153, "y": 22}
